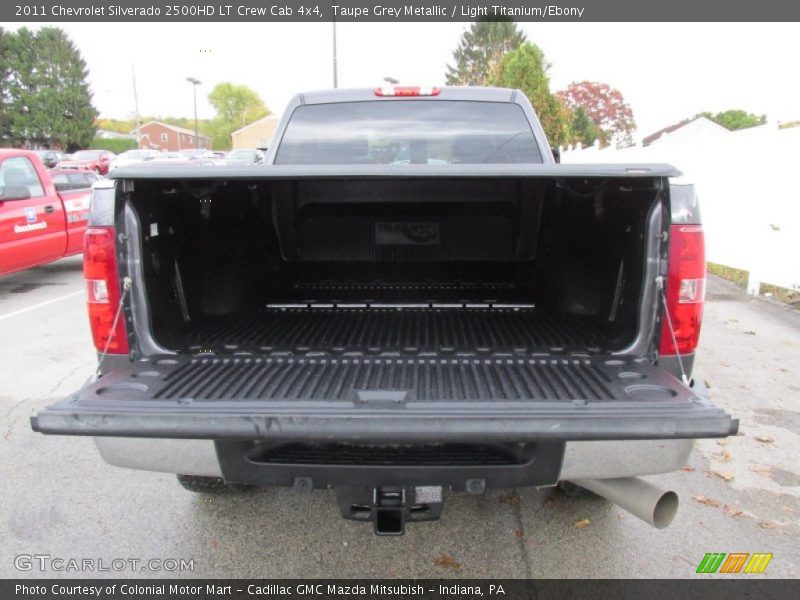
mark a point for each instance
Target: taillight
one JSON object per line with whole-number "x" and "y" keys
{"x": 407, "y": 90}
{"x": 102, "y": 287}
{"x": 686, "y": 289}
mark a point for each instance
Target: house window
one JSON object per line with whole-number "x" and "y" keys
{"x": 164, "y": 137}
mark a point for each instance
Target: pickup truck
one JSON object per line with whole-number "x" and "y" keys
{"x": 42, "y": 218}
{"x": 411, "y": 296}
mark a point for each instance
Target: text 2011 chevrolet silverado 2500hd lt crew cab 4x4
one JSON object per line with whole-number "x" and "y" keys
{"x": 410, "y": 296}
{"x": 40, "y": 221}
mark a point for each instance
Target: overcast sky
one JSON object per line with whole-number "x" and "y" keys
{"x": 666, "y": 71}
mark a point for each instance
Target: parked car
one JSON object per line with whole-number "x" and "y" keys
{"x": 50, "y": 158}
{"x": 353, "y": 315}
{"x": 69, "y": 179}
{"x": 245, "y": 156}
{"x": 98, "y": 161}
{"x": 131, "y": 157}
{"x": 42, "y": 218}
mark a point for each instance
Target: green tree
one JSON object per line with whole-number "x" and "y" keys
{"x": 480, "y": 52}
{"x": 582, "y": 128}
{"x": 16, "y": 64}
{"x": 525, "y": 69}
{"x": 735, "y": 119}
{"x": 45, "y": 92}
{"x": 236, "y": 106}
{"x": 63, "y": 114}
{"x": 6, "y": 71}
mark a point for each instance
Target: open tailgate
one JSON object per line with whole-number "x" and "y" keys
{"x": 388, "y": 399}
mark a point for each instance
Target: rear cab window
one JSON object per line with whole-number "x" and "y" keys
{"x": 19, "y": 170}
{"x": 398, "y": 132}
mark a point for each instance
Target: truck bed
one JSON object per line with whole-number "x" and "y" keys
{"x": 510, "y": 304}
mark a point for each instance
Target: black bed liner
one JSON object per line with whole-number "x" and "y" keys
{"x": 407, "y": 330}
{"x": 388, "y": 399}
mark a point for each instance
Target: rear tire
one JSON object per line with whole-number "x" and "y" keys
{"x": 211, "y": 485}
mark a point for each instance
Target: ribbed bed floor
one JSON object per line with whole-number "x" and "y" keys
{"x": 405, "y": 331}
{"x": 387, "y": 380}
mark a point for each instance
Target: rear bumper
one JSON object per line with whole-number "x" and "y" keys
{"x": 582, "y": 460}
{"x": 547, "y": 419}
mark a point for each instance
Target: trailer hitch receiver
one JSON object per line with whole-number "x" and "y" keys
{"x": 390, "y": 507}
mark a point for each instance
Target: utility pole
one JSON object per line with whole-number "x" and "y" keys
{"x": 335, "y": 74}
{"x": 195, "y": 83}
{"x": 136, "y": 109}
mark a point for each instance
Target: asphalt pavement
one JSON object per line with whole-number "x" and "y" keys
{"x": 61, "y": 500}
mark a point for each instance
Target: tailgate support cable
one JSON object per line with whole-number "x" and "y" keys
{"x": 126, "y": 287}
{"x": 668, "y": 317}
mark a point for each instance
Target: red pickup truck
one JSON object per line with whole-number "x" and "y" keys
{"x": 40, "y": 220}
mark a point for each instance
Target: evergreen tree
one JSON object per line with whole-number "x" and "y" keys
{"x": 6, "y": 72}
{"x": 480, "y": 52}
{"x": 45, "y": 93}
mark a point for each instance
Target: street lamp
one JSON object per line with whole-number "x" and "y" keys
{"x": 195, "y": 83}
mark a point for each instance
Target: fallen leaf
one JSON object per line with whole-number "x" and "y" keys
{"x": 582, "y": 523}
{"x": 749, "y": 332}
{"x": 707, "y": 501}
{"x": 762, "y": 470}
{"x": 510, "y": 499}
{"x": 722, "y": 442}
{"x": 723, "y": 456}
{"x": 740, "y": 433}
{"x": 783, "y": 370}
{"x": 788, "y": 509}
{"x": 723, "y": 475}
{"x": 767, "y": 525}
{"x": 734, "y": 512}
{"x": 549, "y": 500}
{"x": 733, "y": 320}
{"x": 518, "y": 533}
{"x": 688, "y": 469}
{"x": 724, "y": 364}
{"x": 765, "y": 439}
{"x": 620, "y": 516}
{"x": 446, "y": 561}
{"x": 708, "y": 385}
